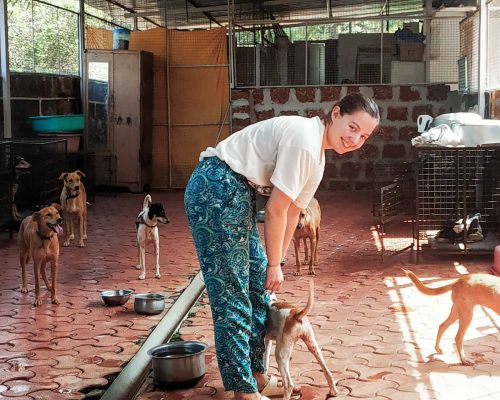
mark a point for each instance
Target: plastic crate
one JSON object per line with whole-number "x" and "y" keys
{"x": 57, "y": 123}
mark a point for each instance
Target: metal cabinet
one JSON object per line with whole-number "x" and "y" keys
{"x": 118, "y": 129}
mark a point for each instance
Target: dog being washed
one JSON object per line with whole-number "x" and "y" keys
{"x": 308, "y": 228}
{"x": 286, "y": 324}
{"x": 147, "y": 231}
{"x": 467, "y": 292}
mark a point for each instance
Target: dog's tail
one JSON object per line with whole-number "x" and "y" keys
{"x": 310, "y": 301}
{"x": 147, "y": 201}
{"x": 425, "y": 289}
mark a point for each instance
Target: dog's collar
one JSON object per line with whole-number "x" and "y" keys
{"x": 141, "y": 220}
{"x": 42, "y": 237}
{"x": 72, "y": 196}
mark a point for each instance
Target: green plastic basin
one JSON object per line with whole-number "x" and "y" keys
{"x": 56, "y": 123}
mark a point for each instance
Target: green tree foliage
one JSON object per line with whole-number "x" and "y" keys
{"x": 42, "y": 38}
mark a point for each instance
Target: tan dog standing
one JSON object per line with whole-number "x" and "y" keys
{"x": 308, "y": 227}
{"x": 74, "y": 204}
{"x": 37, "y": 239}
{"x": 286, "y": 324}
{"x": 466, "y": 292}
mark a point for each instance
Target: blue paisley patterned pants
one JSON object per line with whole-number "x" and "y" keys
{"x": 220, "y": 207}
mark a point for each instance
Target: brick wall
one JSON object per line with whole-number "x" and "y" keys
{"x": 38, "y": 94}
{"x": 399, "y": 105}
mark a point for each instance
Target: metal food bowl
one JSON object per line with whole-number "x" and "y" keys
{"x": 178, "y": 364}
{"x": 116, "y": 297}
{"x": 149, "y": 303}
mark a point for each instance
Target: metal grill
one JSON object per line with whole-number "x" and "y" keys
{"x": 394, "y": 206}
{"x": 454, "y": 183}
{"x": 48, "y": 160}
{"x": 6, "y": 180}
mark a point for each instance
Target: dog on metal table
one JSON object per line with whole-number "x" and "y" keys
{"x": 147, "y": 231}
{"x": 21, "y": 167}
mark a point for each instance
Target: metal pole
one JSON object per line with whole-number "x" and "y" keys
{"x": 306, "y": 60}
{"x": 381, "y": 51}
{"x": 167, "y": 83}
{"x": 483, "y": 43}
{"x": 83, "y": 70}
{"x": 231, "y": 44}
{"x": 231, "y": 71}
{"x": 4, "y": 66}
{"x": 427, "y": 33}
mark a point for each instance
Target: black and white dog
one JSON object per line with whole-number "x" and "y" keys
{"x": 20, "y": 167}
{"x": 453, "y": 230}
{"x": 147, "y": 230}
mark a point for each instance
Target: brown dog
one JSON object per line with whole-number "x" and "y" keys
{"x": 286, "y": 324}
{"x": 74, "y": 204}
{"x": 466, "y": 292}
{"x": 37, "y": 239}
{"x": 308, "y": 228}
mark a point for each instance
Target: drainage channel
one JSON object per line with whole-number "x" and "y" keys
{"x": 129, "y": 380}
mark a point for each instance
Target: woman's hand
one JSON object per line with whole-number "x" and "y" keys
{"x": 274, "y": 278}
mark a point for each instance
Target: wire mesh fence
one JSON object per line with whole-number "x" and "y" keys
{"x": 278, "y": 43}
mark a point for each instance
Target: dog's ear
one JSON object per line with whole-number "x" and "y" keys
{"x": 80, "y": 173}
{"x": 36, "y": 215}
{"x": 63, "y": 176}
{"x": 56, "y": 206}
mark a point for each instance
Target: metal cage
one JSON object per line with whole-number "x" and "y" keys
{"x": 452, "y": 184}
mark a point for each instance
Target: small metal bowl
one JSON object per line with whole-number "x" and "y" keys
{"x": 149, "y": 303}
{"x": 116, "y": 297}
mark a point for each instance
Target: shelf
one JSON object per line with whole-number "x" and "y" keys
{"x": 487, "y": 244}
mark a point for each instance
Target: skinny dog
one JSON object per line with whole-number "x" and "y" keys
{"x": 147, "y": 230}
{"x": 74, "y": 204}
{"x": 286, "y": 324}
{"x": 308, "y": 227}
{"x": 466, "y": 292}
{"x": 37, "y": 239}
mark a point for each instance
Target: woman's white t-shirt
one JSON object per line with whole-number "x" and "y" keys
{"x": 283, "y": 152}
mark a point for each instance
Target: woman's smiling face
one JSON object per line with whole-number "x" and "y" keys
{"x": 348, "y": 132}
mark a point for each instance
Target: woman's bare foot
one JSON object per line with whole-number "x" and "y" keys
{"x": 262, "y": 380}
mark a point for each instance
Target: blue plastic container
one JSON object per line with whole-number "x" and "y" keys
{"x": 121, "y": 39}
{"x": 57, "y": 123}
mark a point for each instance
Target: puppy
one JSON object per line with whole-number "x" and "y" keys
{"x": 37, "y": 239}
{"x": 466, "y": 292}
{"x": 74, "y": 204}
{"x": 308, "y": 227}
{"x": 286, "y": 324}
{"x": 147, "y": 230}
{"x": 21, "y": 167}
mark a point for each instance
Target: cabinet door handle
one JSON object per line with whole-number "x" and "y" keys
{"x": 129, "y": 121}
{"x": 119, "y": 120}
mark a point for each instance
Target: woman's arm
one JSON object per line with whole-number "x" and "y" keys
{"x": 281, "y": 220}
{"x": 291, "y": 225}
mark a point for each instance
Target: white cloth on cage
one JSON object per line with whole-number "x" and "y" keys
{"x": 440, "y": 135}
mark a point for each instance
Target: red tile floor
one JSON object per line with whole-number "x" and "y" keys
{"x": 376, "y": 331}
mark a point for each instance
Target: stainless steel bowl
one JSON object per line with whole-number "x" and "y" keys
{"x": 149, "y": 303}
{"x": 116, "y": 297}
{"x": 178, "y": 364}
